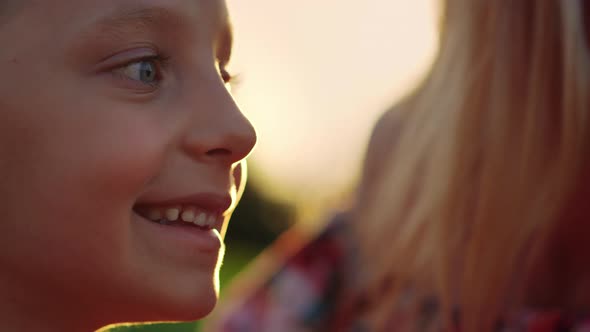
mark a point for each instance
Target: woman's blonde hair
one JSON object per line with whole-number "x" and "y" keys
{"x": 491, "y": 145}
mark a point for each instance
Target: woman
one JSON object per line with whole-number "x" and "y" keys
{"x": 483, "y": 207}
{"x": 475, "y": 219}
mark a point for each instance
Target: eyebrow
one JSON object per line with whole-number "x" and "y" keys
{"x": 141, "y": 19}
{"x": 146, "y": 19}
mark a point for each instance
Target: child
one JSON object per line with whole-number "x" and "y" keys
{"x": 121, "y": 160}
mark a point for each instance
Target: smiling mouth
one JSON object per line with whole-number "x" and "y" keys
{"x": 186, "y": 216}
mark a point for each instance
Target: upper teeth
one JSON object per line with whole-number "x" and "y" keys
{"x": 189, "y": 214}
{"x": 172, "y": 214}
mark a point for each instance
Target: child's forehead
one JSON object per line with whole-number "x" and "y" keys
{"x": 116, "y": 11}
{"x": 76, "y": 20}
{"x": 80, "y": 32}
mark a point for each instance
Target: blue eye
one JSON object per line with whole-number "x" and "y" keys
{"x": 144, "y": 71}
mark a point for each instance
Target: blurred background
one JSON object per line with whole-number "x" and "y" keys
{"x": 313, "y": 77}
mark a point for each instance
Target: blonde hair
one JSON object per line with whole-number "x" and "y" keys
{"x": 490, "y": 147}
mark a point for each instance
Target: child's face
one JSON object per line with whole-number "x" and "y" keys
{"x": 112, "y": 112}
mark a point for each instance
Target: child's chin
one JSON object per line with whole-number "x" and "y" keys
{"x": 198, "y": 310}
{"x": 158, "y": 297}
{"x": 189, "y": 307}
{"x": 183, "y": 307}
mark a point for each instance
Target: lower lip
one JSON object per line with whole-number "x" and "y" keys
{"x": 188, "y": 237}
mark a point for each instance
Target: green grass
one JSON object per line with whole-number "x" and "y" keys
{"x": 179, "y": 327}
{"x": 236, "y": 258}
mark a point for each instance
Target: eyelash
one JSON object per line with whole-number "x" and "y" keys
{"x": 159, "y": 61}
{"x": 226, "y": 76}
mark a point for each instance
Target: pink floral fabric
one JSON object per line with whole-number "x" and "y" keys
{"x": 305, "y": 295}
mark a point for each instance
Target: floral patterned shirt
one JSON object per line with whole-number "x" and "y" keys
{"x": 305, "y": 295}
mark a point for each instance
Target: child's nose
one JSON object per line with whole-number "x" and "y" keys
{"x": 220, "y": 132}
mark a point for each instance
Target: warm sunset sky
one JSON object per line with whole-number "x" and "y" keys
{"x": 316, "y": 74}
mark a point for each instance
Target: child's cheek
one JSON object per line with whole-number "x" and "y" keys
{"x": 129, "y": 155}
